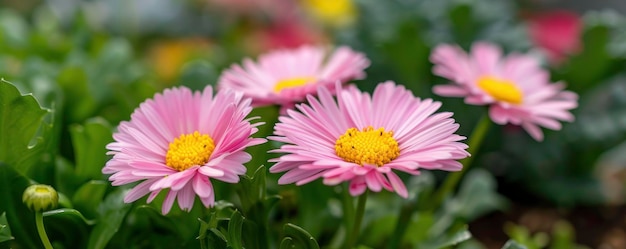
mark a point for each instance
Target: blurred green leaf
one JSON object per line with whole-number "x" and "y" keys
{"x": 287, "y": 243}
{"x": 511, "y": 244}
{"x": 234, "y": 231}
{"x": 89, "y": 196}
{"x": 5, "y": 230}
{"x": 301, "y": 238}
{"x": 447, "y": 240}
{"x": 197, "y": 74}
{"x": 477, "y": 196}
{"x": 111, "y": 214}
{"x": 20, "y": 218}
{"x": 463, "y": 23}
{"x": 252, "y": 189}
{"x": 89, "y": 143}
{"x": 522, "y": 236}
{"x": 13, "y": 29}
{"x": 215, "y": 239}
{"x": 20, "y": 119}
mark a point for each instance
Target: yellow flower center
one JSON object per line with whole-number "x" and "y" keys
{"x": 500, "y": 89}
{"x": 292, "y": 82}
{"x": 189, "y": 150}
{"x": 368, "y": 146}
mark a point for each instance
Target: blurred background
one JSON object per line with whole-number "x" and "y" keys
{"x": 94, "y": 61}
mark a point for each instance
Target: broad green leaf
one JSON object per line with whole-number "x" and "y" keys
{"x": 111, "y": 214}
{"x": 5, "y": 230}
{"x": 68, "y": 213}
{"x": 89, "y": 142}
{"x": 20, "y": 119}
{"x": 234, "y": 230}
{"x": 20, "y": 218}
{"x": 511, "y": 244}
{"x": 69, "y": 226}
{"x": 89, "y": 196}
{"x": 301, "y": 238}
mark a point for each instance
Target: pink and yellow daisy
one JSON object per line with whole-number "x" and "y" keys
{"x": 179, "y": 141}
{"x": 365, "y": 139}
{"x": 287, "y": 76}
{"x": 516, "y": 88}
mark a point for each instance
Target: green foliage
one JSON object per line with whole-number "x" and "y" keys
{"x": 5, "y": 230}
{"x": 296, "y": 237}
{"x": 74, "y": 78}
{"x": 21, "y": 118}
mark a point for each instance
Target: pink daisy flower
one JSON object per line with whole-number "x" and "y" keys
{"x": 516, "y": 88}
{"x": 365, "y": 140}
{"x": 178, "y": 142}
{"x": 286, "y": 76}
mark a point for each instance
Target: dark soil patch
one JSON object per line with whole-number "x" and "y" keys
{"x": 595, "y": 227}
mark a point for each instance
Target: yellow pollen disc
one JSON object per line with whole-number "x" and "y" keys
{"x": 368, "y": 146}
{"x": 189, "y": 150}
{"x": 292, "y": 82}
{"x": 500, "y": 89}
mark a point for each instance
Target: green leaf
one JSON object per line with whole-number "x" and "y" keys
{"x": 287, "y": 243}
{"x": 89, "y": 142}
{"x": 20, "y": 118}
{"x": 446, "y": 240}
{"x": 215, "y": 239}
{"x": 301, "y": 238}
{"x": 13, "y": 29}
{"x": 112, "y": 212}
{"x": 511, "y": 244}
{"x": 234, "y": 230}
{"x": 252, "y": 189}
{"x": 197, "y": 73}
{"x": 19, "y": 217}
{"x": 69, "y": 213}
{"x": 477, "y": 196}
{"x": 5, "y": 230}
{"x": 69, "y": 227}
{"x": 89, "y": 196}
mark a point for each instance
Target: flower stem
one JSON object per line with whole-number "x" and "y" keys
{"x": 475, "y": 140}
{"x": 348, "y": 212}
{"x": 451, "y": 181}
{"x": 358, "y": 218}
{"x": 42, "y": 230}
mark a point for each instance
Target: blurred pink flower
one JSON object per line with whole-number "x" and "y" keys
{"x": 288, "y": 33}
{"x": 557, "y": 33}
{"x": 516, "y": 89}
{"x": 267, "y": 7}
{"x": 363, "y": 139}
{"x": 286, "y": 76}
{"x": 178, "y": 141}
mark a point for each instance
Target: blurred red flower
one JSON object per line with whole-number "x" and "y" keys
{"x": 557, "y": 33}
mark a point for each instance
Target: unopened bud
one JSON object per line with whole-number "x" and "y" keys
{"x": 40, "y": 197}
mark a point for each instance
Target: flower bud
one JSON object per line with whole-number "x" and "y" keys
{"x": 40, "y": 197}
